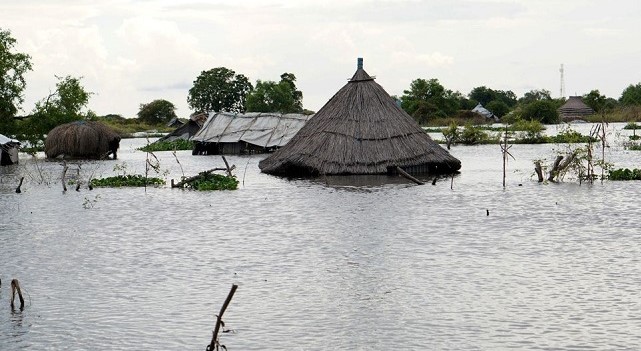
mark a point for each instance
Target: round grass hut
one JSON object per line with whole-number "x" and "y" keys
{"x": 82, "y": 139}
{"x": 360, "y": 130}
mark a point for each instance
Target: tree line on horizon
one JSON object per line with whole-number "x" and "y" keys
{"x": 221, "y": 89}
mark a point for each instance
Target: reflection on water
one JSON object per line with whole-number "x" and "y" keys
{"x": 378, "y": 264}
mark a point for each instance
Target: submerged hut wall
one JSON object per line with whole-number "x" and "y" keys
{"x": 360, "y": 130}
{"x": 82, "y": 139}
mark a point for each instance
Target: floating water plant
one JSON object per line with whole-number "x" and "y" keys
{"x": 128, "y": 180}
{"x": 625, "y": 174}
{"x": 178, "y": 144}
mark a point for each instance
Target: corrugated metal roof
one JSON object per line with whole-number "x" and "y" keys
{"x": 260, "y": 129}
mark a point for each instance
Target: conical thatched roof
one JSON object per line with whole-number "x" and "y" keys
{"x": 360, "y": 130}
{"x": 81, "y": 139}
{"x": 574, "y": 108}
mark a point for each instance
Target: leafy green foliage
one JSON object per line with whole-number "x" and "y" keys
{"x": 211, "y": 181}
{"x": 157, "y": 111}
{"x": 535, "y": 95}
{"x": 64, "y": 105}
{"x": 595, "y": 100}
{"x": 219, "y": 89}
{"x": 544, "y": 111}
{"x": 625, "y": 174}
{"x": 569, "y": 136}
{"x": 631, "y": 95}
{"x": 473, "y": 135}
{"x": 127, "y": 180}
{"x": 428, "y": 99}
{"x": 498, "y": 108}
{"x": 13, "y": 67}
{"x": 485, "y": 96}
{"x": 178, "y": 144}
{"x": 269, "y": 96}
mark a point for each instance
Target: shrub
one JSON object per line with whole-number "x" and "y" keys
{"x": 178, "y": 144}
{"x": 129, "y": 180}
{"x": 624, "y": 174}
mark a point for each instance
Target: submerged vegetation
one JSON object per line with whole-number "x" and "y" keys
{"x": 127, "y": 180}
{"x": 625, "y": 174}
{"x": 178, "y": 144}
{"x": 210, "y": 181}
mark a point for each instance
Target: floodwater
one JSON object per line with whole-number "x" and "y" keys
{"x": 334, "y": 263}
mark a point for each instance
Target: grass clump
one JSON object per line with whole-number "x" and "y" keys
{"x": 207, "y": 181}
{"x": 625, "y": 174}
{"x": 129, "y": 180}
{"x": 178, "y": 144}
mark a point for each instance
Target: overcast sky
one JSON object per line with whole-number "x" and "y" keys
{"x": 135, "y": 51}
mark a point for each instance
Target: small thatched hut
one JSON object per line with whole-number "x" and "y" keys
{"x": 574, "y": 108}
{"x": 360, "y": 130}
{"x": 82, "y": 139}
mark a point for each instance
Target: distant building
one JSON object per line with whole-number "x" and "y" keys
{"x": 574, "y": 109}
{"x": 479, "y": 109}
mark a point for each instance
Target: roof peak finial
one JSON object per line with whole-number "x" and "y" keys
{"x": 359, "y": 63}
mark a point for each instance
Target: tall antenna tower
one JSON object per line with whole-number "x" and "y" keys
{"x": 562, "y": 90}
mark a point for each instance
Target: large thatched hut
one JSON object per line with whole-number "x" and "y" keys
{"x": 574, "y": 109}
{"x": 360, "y": 130}
{"x": 82, "y": 139}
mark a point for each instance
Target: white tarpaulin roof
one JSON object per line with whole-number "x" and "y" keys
{"x": 483, "y": 111}
{"x": 5, "y": 140}
{"x": 261, "y": 129}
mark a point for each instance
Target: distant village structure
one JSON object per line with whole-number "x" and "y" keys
{"x": 360, "y": 130}
{"x": 479, "y": 109}
{"x": 574, "y": 109}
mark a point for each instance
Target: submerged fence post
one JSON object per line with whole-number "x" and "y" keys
{"x": 219, "y": 319}
{"x": 18, "y": 191}
{"x": 15, "y": 287}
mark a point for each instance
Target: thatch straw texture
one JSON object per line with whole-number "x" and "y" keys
{"x": 361, "y": 130}
{"x": 575, "y": 108}
{"x": 81, "y": 139}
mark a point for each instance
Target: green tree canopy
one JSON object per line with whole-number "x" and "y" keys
{"x": 269, "y": 96}
{"x": 595, "y": 100}
{"x": 157, "y": 111}
{"x": 544, "y": 111}
{"x": 219, "y": 89}
{"x": 427, "y": 99}
{"x": 498, "y": 108}
{"x": 631, "y": 95}
{"x": 535, "y": 95}
{"x": 482, "y": 94}
{"x": 64, "y": 105}
{"x": 13, "y": 67}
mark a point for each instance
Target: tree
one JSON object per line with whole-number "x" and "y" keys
{"x": 595, "y": 100}
{"x": 13, "y": 67}
{"x": 482, "y": 94}
{"x": 157, "y": 111}
{"x": 64, "y": 105}
{"x": 535, "y": 95}
{"x": 631, "y": 95}
{"x": 427, "y": 99}
{"x": 269, "y": 96}
{"x": 219, "y": 89}
{"x": 544, "y": 111}
{"x": 498, "y": 108}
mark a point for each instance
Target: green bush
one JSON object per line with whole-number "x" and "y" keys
{"x": 624, "y": 174}
{"x": 178, "y": 144}
{"x": 129, "y": 180}
{"x": 212, "y": 181}
{"x": 472, "y": 135}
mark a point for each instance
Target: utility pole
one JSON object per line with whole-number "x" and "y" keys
{"x": 562, "y": 90}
